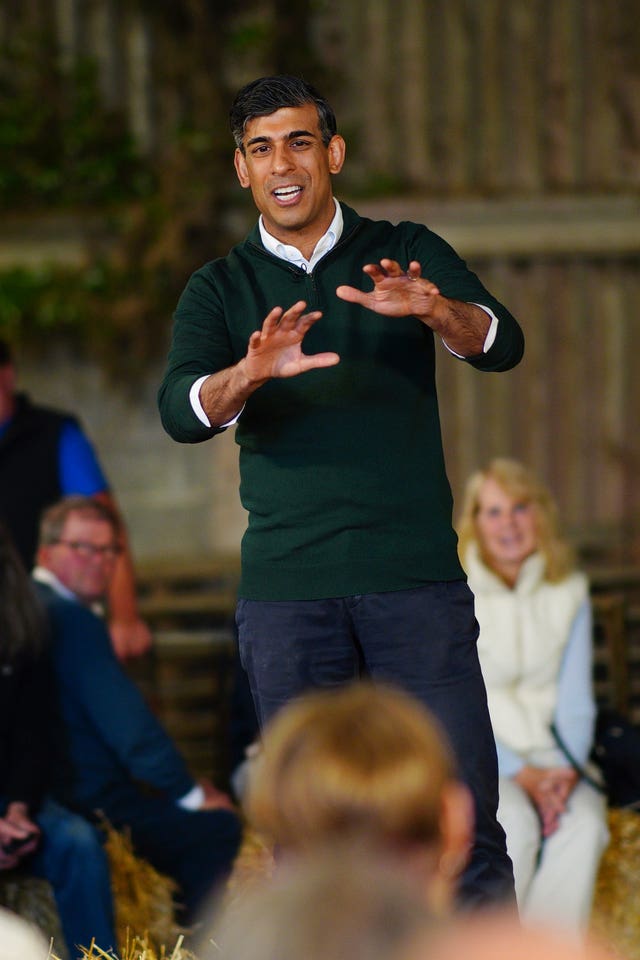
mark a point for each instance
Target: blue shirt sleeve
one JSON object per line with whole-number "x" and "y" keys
{"x": 509, "y": 762}
{"x": 80, "y": 471}
{"x": 576, "y": 709}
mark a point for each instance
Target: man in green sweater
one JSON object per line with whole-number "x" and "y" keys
{"x": 349, "y": 561}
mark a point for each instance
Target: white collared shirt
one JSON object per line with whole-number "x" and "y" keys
{"x": 292, "y": 255}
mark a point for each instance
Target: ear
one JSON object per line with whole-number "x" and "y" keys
{"x": 240, "y": 164}
{"x": 42, "y": 555}
{"x": 336, "y": 150}
{"x": 456, "y": 827}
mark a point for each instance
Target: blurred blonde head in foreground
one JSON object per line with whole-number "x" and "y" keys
{"x": 354, "y": 903}
{"x": 336, "y": 904}
{"x": 364, "y": 763}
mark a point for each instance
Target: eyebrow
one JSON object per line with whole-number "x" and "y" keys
{"x": 288, "y": 136}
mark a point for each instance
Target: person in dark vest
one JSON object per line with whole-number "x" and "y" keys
{"x": 45, "y": 455}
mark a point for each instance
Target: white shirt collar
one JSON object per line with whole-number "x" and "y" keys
{"x": 43, "y": 575}
{"x": 292, "y": 255}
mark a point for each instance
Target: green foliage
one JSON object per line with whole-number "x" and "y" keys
{"x": 62, "y": 149}
{"x": 102, "y": 311}
{"x": 59, "y": 146}
{"x": 39, "y": 300}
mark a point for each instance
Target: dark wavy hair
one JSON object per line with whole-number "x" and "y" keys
{"x": 264, "y": 96}
{"x": 22, "y": 620}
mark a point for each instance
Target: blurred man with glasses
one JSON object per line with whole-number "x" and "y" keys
{"x": 117, "y": 759}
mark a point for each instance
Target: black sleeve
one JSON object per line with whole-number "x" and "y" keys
{"x": 28, "y": 747}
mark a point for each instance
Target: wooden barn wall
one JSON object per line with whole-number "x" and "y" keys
{"x": 458, "y": 97}
{"x": 494, "y": 96}
{"x": 460, "y": 101}
{"x": 571, "y": 409}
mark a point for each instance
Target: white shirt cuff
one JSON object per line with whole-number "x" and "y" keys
{"x": 198, "y": 409}
{"x": 192, "y": 800}
{"x": 491, "y": 332}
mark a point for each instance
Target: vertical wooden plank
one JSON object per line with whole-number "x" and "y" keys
{"x": 530, "y": 302}
{"x": 140, "y": 86}
{"x": 528, "y": 295}
{"x": 105, "y": 46}
{"x": 413, "y": 92}
{"x": 66, "y": 18}
{"x": 522, "y": 98}
{"x": 562, "y": 101}
{"x": 630, "y": 505}
{"x": 593, "y": 397}
{"x": 453, "y": 91}
{"x": 601, "y": 143}
{"x": 583, "y": 326}
{"x": 626, "y": 92}
{"x": 353, "y": 66}
{"x": 566, "y": 388}
{"x": 486, "y": 79}
{"x": 377, "y": 94}
{"x": 611, "y": 331}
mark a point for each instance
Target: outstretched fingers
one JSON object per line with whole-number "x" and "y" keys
{"x": 275, "y": 350}
{"x": 280, "y": 323}
{"x": 383, "y": 270}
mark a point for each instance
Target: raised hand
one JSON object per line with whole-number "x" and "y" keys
{"x": 406, "y": 293}
{"x": 273, "y": 351}
{"x": 276, "y": 349}
{"x": 396, "y": 292}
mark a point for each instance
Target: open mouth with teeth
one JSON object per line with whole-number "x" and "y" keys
{"x": 287, "y": 194}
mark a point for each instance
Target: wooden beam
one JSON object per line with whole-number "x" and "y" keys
{"x": 539, "y": 226}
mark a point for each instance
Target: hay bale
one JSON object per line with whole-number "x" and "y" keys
{"x": 616, "y": 906}
{"x": 144, "y": 900}
{"x": 137, "y": 948}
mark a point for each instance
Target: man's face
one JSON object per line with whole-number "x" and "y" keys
{"x": 84, "y": 557}
{"x": 288, "y": 169}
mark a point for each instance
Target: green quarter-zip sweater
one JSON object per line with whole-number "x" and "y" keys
{"x": 341, "y": 469}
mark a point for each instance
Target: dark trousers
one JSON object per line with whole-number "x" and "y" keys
{"x": 422, "y": 640}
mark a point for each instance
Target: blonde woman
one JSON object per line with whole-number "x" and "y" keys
{"x": 535, "y": 650}
{"x": 364, "y": 764}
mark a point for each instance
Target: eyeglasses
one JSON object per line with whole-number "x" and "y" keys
{"x": 89, "y": 550}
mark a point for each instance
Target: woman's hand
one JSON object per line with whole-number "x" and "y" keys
{"x": 549, "y": 789}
